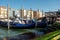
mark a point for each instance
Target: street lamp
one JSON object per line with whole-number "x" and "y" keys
{"x": 8, "y": 15}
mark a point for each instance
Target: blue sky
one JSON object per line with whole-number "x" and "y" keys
{"x": 45, "y": 5}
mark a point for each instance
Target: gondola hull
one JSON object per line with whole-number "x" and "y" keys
{"x": 41, "y": 24}
{"x": 23, "y": 26}
{"x": 17, "y": 25}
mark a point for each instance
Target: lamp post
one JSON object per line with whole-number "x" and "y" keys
{"x": 8, "y": 20}
{"x": 8, "y": 15}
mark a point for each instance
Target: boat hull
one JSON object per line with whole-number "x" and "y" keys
{"x": 17, "y": 25}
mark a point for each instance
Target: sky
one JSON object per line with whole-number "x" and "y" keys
{"x": 45, "y": 5}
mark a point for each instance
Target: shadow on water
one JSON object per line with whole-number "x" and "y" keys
{"x": 25, "y": 36}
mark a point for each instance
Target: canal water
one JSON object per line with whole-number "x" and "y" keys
{"x": 4, "y": 32}
{"x": 12, "y": 32}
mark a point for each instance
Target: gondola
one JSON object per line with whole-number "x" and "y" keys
{"x": 24, "y": 26}
{"x": 43, "y": 23}
{"x": 19, "y": 25}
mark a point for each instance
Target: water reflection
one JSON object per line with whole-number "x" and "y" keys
{"x": 4, "y": 32}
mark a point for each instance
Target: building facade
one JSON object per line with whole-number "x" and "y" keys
{"x": 55, "y": 14}
{"x": 3, "y": 12}
{"x": 37, "y": 14}
{"x": 30, "y": 14}
{"x": 26, "y": 14}
{"x": 22, "y": 13}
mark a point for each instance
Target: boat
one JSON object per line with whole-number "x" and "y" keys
{"x": 15, "y": 24}
{"x": 43, "y": 23}
{"x": 22, "y": 25}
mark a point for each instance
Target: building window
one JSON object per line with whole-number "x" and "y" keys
{"x": 1, "y": 8}
{"x": 5, "y": 12}
{"x": 2, "y": 16}
{"x": 5, "y": 16}
{"x": 2, "y": 11}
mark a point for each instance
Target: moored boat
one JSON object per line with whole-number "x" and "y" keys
{"x": 22, "y": 25}
{"x": 19, "y": 24}
{"x": 43, "y": 23}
